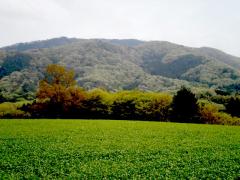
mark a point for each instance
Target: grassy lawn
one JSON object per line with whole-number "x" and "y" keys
{"x": 95, "y": 149}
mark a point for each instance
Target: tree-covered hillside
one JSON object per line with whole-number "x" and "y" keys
{"x": 40, "y": 44}
{"x": 117, "y": 64}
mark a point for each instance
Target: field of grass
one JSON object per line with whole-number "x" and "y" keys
{"x": 95, "y": 149}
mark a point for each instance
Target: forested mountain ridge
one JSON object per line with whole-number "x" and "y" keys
{"x": 117, "y": 64}
{"x": 40, "y": 44}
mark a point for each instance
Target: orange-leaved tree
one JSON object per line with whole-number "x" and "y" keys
{"x": 58, "y": 88}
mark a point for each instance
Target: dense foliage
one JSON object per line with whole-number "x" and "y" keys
{"x": 233, "y": 106}
{"x": 185, "y": 106}
{"x": 41, "y": 44}
{"x": 118, "y": 65}
{"x": 15, "y": 62}
{"x": 59, "y": 96}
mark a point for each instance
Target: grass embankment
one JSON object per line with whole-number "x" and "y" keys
{"x": 117, "y": 149}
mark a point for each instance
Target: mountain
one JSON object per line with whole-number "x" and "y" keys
{"x": 125, "y": 42}
{"x": 117, "y": 64}
{"x": 40, "y": 44}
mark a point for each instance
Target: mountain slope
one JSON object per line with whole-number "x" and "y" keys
{"x": 40, "y": 44}
{"x": 118, "y": 64}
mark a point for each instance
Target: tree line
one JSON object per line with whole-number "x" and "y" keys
{"x": 59, "y": 96}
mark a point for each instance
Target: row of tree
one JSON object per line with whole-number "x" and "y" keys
{"x": 58, "y": 96}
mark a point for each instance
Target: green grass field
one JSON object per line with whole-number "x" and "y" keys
{"x": 96, "y": 149}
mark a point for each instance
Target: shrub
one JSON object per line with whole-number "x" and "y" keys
{"x": 11, "y": 110}
{"x": 124, "y": 105}
{"x": 97, "y": 104}
{"x": 209, "y": 113}
{"x": 141, "y": 105}
{"x": 154, "y": 106}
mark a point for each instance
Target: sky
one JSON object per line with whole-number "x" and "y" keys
{"x": 196, "y": 23}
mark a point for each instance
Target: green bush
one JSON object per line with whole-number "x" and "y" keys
{"x": 11, "y": 110}
{"x": 97, "y": 104}
{"x": 141, "y": 105}
{"x": 154, "y": 106}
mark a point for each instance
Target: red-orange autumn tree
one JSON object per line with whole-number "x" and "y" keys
{"x": 59, "y": 89}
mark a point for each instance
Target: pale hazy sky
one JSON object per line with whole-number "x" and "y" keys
{"x": 214, "y": 23}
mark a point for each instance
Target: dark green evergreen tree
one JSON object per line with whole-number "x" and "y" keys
{"x": 184, "y": 106}
{"x": 233, "y": 106}
{"x": 2, "y": 99}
